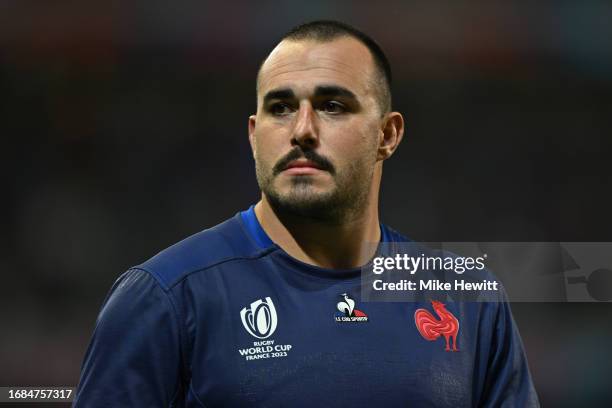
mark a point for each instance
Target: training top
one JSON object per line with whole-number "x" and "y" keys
{"x": 226, "y": 318}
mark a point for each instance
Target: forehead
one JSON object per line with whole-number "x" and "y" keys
{"x": 304, "y": 64}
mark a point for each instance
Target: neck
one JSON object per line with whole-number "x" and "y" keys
{"x": 327, "y": 245}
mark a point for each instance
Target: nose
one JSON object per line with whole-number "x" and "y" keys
{"x": 306, "y": 130}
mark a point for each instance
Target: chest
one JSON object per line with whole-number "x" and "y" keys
{"x": 324, "y": 347}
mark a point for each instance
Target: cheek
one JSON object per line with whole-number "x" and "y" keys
{"x": 355, "y": 143}
{"x": 266, "y": 147}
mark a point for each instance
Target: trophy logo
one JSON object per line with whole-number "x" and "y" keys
{"x": 259, "y": 319}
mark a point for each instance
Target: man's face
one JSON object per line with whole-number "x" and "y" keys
{"x": 316, "y": 133}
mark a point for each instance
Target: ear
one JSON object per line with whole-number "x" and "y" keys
{"x": 252, "y": 122}
{"x": 391, "y": 134}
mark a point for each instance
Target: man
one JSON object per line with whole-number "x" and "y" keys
{"x": 264, "y": 309}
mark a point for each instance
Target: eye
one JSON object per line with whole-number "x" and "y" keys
{"x": 333, "y": 107}
{"x": 280, "y": 109}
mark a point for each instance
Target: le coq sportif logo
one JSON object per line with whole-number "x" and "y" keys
{"x": 259, "y": 319}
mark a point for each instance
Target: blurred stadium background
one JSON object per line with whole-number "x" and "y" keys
{"x": 124, "y": 129}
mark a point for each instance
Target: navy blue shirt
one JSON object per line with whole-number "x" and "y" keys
{"x": 227, "y": 318}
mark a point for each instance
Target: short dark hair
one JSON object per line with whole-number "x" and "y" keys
{"x": 329, "y": 30}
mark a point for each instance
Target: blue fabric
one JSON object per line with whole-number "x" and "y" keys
{"x": 254, "y": 228}
{"x": 227, "y": 318}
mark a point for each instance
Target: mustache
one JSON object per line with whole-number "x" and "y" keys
{"x": 320, "y": 161}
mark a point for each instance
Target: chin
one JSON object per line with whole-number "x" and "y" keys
{"x": 307, "y": 203}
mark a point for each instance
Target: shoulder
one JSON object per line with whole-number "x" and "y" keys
{"x": 222, "y": 243}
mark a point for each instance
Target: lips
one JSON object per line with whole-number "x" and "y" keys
{"x": 302, "y": 167}
{"x": 304, "y": 164}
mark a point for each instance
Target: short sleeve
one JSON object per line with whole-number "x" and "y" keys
{"x": 134, "y": 357}
{"x": 508, "y": 381}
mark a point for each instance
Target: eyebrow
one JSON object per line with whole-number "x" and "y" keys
{"x": 324, "y": 90}
{"x": 333, "y": 90}
{"x": 279, "y": 94}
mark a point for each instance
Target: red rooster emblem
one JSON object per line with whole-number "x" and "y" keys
{"x": 432, "y": 328}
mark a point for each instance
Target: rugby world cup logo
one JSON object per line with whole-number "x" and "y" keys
{"x": 259, "y": 319}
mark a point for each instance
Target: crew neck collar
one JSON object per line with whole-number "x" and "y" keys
{"x": 263, "y": 241}
{"x": 256, "y": 231}
{"x": 254, "y": 228}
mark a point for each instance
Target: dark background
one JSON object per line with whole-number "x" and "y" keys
{"x": 124, "y": 129}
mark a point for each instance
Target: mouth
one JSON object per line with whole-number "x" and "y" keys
{"x": 302, "y": 167}
{"x": 303, "y": 162}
